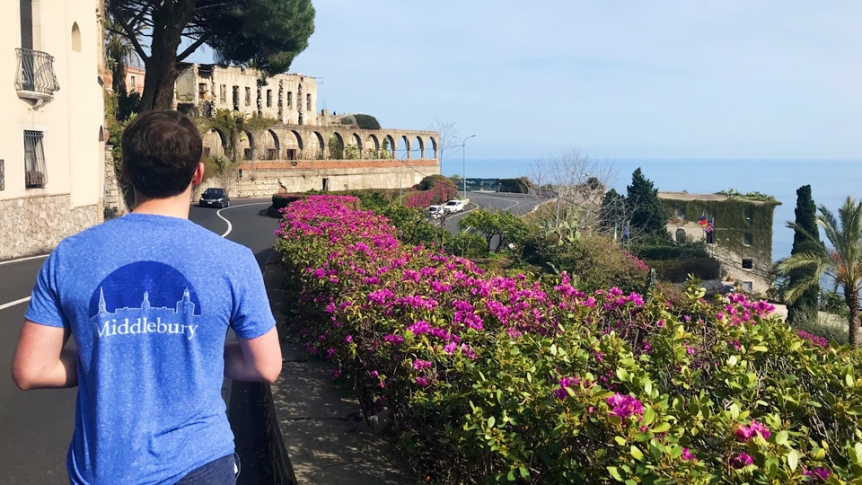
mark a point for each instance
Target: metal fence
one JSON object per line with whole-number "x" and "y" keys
{"x": 36, "y": 72}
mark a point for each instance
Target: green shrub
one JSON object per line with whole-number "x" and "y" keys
{"x": 280, "y": 201}
{"x": 664, "y": 253}
{"x": 366, "y": 122}
{"x": 467, "y": 245}
{"x": 511, "y": 380}
{"x": 832, "y": 328}
{"x": 595, "y": 261}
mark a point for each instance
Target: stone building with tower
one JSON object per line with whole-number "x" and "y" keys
{"x": 736, "y": 230}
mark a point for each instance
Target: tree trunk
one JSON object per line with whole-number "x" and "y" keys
{"x": 851, "y": 296}
{"x": 161, "y": 65}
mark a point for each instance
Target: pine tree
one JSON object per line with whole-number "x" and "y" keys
{"x": 806, "y": 239}
{"x": 648, "y": 216}
{"x": 613, "y": 211}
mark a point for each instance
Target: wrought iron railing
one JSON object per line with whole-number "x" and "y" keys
{"x": 36, "y": 72}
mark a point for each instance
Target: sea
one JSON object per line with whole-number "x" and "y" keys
{"x": 831, "y": 181}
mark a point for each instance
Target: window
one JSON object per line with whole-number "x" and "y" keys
{"x": 247, "y": 153}
{"x": 27, "y": 24}
{"x": 134, "y": 83}
{"x": 35, "y": 172}
{"x": 76, "y": 37}
{"x": 749, "y": 213}
{"x": 2, "y": 174}
{"x": 300, "y": 118}
{"x": 235, "y": 98}
{"x": 680, "y": 236}
{"x": 248, "y": 96}
{"x": 747, "y": 286}
{"x": 749, "y": 239}
{"x": 223, "y": 93}
{"x": 269, "y": 98}
{"x": 325, "y": 184}
{"x": 308, "y": 102}
{"x": 747, "y": 263}
{"x": 289, "y": 100}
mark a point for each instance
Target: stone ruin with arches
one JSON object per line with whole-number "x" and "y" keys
{"x": 304, "y": 149}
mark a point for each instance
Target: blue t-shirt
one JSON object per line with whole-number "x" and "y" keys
{"x": 149, "y": 300}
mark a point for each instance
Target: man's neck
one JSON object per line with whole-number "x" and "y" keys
{"x": 176, "y": 206}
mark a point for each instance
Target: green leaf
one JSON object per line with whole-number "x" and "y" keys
{"x": 661, "y": 428}
{"x": 849, "y": 379}
{"x": 759, "y": 348}
{"x": 524, "y": 472}
{"x": 792, "y": 459}
{"x": 511, "y": 476}
{"x": 615, "y": 473}
{"x": 622, "y": 374}
{"x": 491, "y": 422}
{"x": 636, "y": 453}
{"x": 781, "y": 438}
{"x": 553, "y": 350}
{"x": 620, "y": 440}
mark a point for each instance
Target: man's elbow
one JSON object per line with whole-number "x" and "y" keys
{"x": 22, "y": 379}
{"x": 271, "y": 373}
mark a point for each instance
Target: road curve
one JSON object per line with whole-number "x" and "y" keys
{"x": 36, "y": 426}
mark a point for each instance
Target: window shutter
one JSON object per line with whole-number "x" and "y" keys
{"x": 27, "y": 24}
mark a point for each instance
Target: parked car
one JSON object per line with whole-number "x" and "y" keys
{"x": 435, "y": 211}
{"x": 214, "y": 197}
{"x": 454, "y": 206}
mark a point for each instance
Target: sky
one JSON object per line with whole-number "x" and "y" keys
{"x": 617, "y": 79}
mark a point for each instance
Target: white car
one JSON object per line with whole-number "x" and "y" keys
{"x": 454, "y": 206}
{"x": 435, "y": 211}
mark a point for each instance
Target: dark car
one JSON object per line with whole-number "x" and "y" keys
{"x": 214, "y": 197}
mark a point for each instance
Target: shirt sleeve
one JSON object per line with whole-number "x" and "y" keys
{"x": 252, "y": 316}
{"x": 45, "y": 307}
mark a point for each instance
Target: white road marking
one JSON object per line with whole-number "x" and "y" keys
{"x": 229, "y": 225}
{"x": 22, "y": 259}
{"x": 13, "y": 303}
{"x": 25, "y": 300}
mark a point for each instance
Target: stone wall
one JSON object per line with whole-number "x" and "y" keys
{"x": 35, "y": 225}
{"x": 269, "y": 178}
{"x": 114, "y": 204}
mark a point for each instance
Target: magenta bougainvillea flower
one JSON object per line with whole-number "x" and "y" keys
{"x": 623, "y": 405}
{"x": 741, "y": 460}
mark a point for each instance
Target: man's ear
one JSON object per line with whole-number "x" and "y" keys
{"x": 198, "y": 176}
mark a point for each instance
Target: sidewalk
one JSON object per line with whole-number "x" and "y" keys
{"x": 326, "y": 439}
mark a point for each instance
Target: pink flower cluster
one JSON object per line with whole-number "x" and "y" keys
{"x": 744, "y": 433}
{"x": 566, "y": 382}
{"x": 624, "y": 406}
{"x": 814, "y": 339}
{"x": 817, "y": 475}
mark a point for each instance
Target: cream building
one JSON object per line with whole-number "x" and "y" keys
{"x": 289, "y": 98}
{"x": 51, "y": 139}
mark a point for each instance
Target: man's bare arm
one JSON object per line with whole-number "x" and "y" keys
{"x": 41, "y": 361}
{"x": 255, "y": 360}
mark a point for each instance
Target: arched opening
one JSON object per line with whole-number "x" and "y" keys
{"x": 421, "y": 146}
{"x": 293, "y": 146}
{"x": 372, "y": 147}
{"x": 388, "y": 149}
{"x": 680, "y": 236}
{"x": 433, "y": 146}
{"x": 403, "y": 153}
{"x": 336, "y": 146}
{"x": 214, "y": 144}
{"x": 76, "y": 37}
{"x": 353, "y": 151}
{"x": 245, "y": 148}
{"x": 316, "y": 146}
{"x": 299, "y": 143}
{"x": 270, "y": 145}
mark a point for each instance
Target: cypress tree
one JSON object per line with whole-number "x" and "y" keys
{"x": 613, "y": 211}
{"x": 806, "y": 239}
{"x": 648, "y": 216}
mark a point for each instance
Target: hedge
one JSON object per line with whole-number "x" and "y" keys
{"x": 490, "y": 379}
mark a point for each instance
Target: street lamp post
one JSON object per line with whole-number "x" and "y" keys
{"x": 464, "y": 161}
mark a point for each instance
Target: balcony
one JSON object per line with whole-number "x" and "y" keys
{"x": 36, "y": 79}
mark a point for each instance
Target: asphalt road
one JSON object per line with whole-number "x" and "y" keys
{"x": 517, "y": 203}
{"x": 36, "y": 426}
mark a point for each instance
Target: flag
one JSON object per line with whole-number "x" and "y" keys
{"x": 703, "y": 220}
{"x": 626, "y": 233}
{"x": 710, "y": 226}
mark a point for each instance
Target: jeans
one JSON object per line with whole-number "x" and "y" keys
{"x": 223, "y": 471}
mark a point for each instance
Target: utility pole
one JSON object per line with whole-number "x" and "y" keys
{"x": 464, "y": 161}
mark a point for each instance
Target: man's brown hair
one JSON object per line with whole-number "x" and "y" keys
{"x": 161, "y": 150}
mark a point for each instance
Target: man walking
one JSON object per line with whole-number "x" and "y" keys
{"x": 149, "y": 298}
